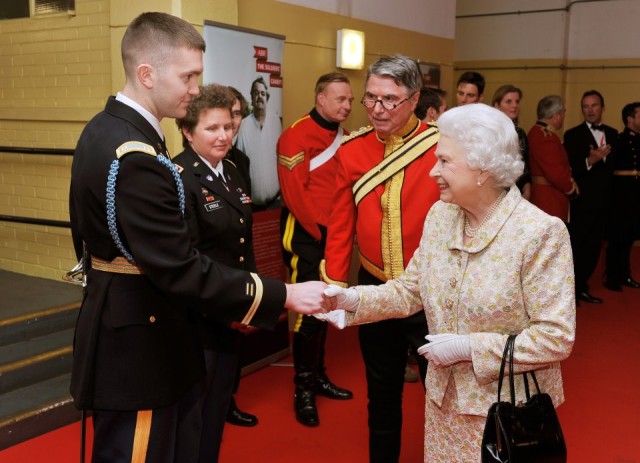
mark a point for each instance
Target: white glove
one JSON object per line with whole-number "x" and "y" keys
{"x": 336, "y": 317}
{"x": 446, "y": 349}
{"x": 345, "y": 298}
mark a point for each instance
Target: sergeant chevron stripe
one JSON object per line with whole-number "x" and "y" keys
{"x": 291, "y": 162}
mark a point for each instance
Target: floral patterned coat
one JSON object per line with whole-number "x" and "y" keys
{"x": 515, "y": 277}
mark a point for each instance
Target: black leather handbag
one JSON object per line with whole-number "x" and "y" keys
{"x": 523, "y": 433}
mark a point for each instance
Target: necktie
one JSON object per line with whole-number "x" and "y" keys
{"x": 596, "y": 127}
{"x": 163, "y": 147}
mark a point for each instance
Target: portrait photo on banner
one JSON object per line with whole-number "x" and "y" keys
{"x": 253, "y": 66}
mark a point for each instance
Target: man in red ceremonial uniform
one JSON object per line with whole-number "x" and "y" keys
{"x": 306, "y": 171}
{"x": 382, "y": 195}
{"x": 551, "y": 183}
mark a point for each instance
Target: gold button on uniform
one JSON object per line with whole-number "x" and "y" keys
{"x": 241, "y": 220}
{"x": 152, "y": 319}
{"x": 241, "y": 259}
{"x": 241, "y": 240}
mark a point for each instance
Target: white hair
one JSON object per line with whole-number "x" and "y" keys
{"x": 487, "y": 138}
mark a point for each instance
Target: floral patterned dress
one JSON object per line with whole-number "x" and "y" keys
{"x": 515, "y": 277}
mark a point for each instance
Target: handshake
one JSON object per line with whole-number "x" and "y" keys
{"x": 327, "y": 303}
{"x": 442, "y": 349}
{"x": 317, "y": 298}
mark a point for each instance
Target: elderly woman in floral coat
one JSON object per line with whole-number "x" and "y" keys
{"x": 490, "y": 264}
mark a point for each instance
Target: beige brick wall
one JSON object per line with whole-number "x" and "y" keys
{"x": 35, "y": 186}
{"x": 55, "y": 74}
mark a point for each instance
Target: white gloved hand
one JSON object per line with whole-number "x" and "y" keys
{"x": 446, "y": 349}
{"x": 336, "y": 317}
{"x": 345, "y": 298}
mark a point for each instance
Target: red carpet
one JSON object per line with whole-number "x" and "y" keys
{"x": 600, "y": 418}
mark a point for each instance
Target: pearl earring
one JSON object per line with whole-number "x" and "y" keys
{"x": 479, "y": 183}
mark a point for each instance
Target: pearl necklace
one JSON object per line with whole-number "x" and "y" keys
{"x": 473, "y": 232}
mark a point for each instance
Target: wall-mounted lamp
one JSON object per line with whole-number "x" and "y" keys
{"x": 350, "y": 49}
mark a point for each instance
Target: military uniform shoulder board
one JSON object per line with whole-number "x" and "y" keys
{"x": 135, "y": 147}
{"x": 358, "y": 133}
{"x": 230, "y": 162}
{"x": 300, "y": 120}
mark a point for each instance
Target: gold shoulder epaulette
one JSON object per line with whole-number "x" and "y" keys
{"x": 135, "y": 147}
{"x": 358, "y": 133}
{"x": 300, "y": 120}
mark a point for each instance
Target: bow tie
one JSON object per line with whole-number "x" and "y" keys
{"x": 596, "y": 127}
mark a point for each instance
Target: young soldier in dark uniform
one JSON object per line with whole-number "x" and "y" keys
{"x": 307, "y": 170}
{"x": 382, "y": 195}
{"x": 624, "y": 205}
{"x": 137, "y": 359}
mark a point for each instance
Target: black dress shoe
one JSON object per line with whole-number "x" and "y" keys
{"x": 240, "y": 418}
{"x": 631, "y": 282}
{"x": 586, "y": 297}
{"x": 328, "y": 389}
{"x": 613, "y": 287}
{"x": 304, "y": 403}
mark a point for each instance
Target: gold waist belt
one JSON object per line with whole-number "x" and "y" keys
{"x": 117, "y": 265}
{"x": 627, "y": 173}
{"x": 539, "y": 180}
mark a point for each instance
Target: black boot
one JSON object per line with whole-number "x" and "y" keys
{"x": 304, "y": 403}
{"x": 238, "y": 417}
{"x": 328, "y": 389}
{"x": 325, "y": 387}
{"x": 305, "y": 359}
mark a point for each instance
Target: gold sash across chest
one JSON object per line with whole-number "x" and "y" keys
{"x": 395, "y": 162}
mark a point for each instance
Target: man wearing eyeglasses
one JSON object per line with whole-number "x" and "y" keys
{"x": 382, "y": 195}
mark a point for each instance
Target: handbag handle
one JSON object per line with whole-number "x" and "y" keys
{"x": 507, "y": 355}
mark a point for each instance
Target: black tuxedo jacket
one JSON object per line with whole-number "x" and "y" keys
{"x": 135, "y": 343}
{"x": 595, "y": 183}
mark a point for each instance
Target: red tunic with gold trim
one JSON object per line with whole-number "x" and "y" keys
{"x": 549, "y": 160}
{"x": 388, "y": 220}
{"x": 307, "y": 193}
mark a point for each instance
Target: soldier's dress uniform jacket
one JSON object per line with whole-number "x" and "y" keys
{"x": 135, "y": 345}
{"x": 386, "y": 239}
{"x": 625, "y": 189}
{"x": 382, "y": 195}
{"x": 307, "y": 190}
{"x": 548, "y": 160}
{"x": 218, "y": 214}
{"x": 623, "y": 208}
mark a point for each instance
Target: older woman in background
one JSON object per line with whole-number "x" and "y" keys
{"x": 489, "y": 264}
{"x": 507, "y": 99}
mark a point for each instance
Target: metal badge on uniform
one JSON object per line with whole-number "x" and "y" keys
{"x": 212, "y": 203}
{"x": 213, "y": 206}
{"x": 244, "y": 198}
